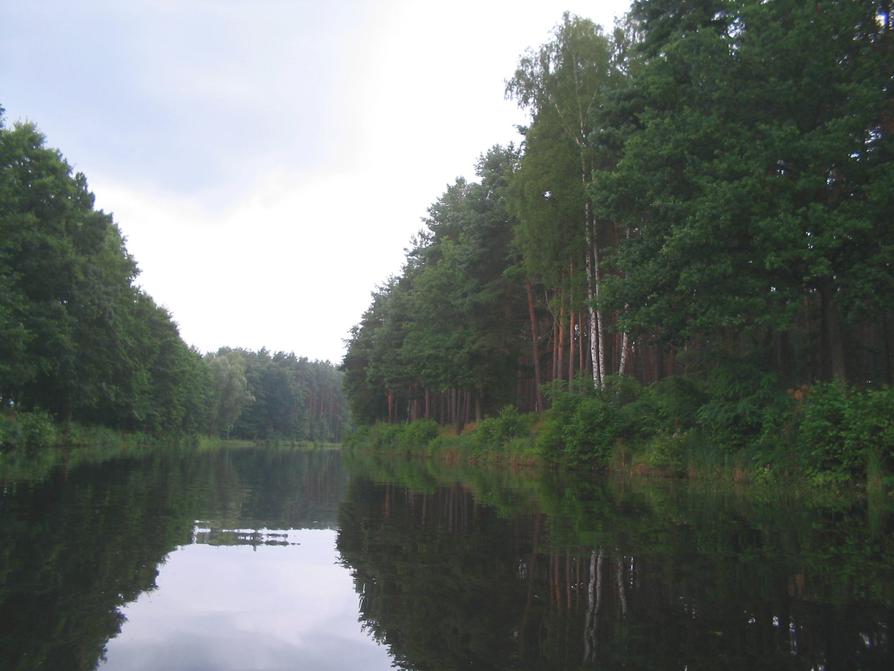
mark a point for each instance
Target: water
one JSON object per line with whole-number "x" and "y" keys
{"x": 288, "y": 559}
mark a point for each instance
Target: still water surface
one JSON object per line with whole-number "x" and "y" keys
{"x": 256, "y": 559}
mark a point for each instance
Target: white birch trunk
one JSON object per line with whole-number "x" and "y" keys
{"x": 594, "y": 598}
{"x": 623, "y": 363}
{"x": 591, "y": 314}
{"x": 600, "y": 331}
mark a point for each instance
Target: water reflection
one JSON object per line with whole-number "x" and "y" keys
{"x": 613, "y": 577}
{"x": 217, "y": 560}
{"x": 266, "y": 559}
{"x": 248, "y": 607}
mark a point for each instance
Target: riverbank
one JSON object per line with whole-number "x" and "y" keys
{"x": 827, "y": 435}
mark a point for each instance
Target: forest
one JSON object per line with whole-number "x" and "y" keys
{"x": 692, "y": 245}
{"x": 82, "y": 346}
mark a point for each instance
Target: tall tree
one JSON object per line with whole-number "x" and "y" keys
{"x": 567, "y": 76}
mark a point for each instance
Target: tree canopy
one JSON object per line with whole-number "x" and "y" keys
{"x": 709, "y": 182}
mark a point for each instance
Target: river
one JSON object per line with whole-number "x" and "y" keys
{"x": 256, "y": 559}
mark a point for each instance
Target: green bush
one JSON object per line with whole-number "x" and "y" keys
{"x": 591, "y": 434}
{"x": 580, "y": 430}
{"x": 822, "y": 434}
{"x": 667, "y": 452}
{"x": 550, "y": 441}
{"x": 416, "y": 435}
{"x": 28, "y": 430}
{"x": 842, "y": 430}
{"x": 507, "y": 426}
{"x": 9, "y": 432}
{"x": 739, "y": 395}
{"x": 870, "y": 426}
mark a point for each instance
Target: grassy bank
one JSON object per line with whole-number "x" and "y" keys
{"x": 825, "y": 435}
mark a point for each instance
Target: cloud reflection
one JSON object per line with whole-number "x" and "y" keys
{"x": 243, "y": 607}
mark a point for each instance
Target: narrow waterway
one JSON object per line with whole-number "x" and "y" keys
{"x": 290, "y": 559}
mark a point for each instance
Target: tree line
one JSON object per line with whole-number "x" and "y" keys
{"x": 81, "y": 342}
{"x": 705, "y": 188}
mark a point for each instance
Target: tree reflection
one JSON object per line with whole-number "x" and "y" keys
{"x": 614, "y": 578}
{"x": 80, "y": 544}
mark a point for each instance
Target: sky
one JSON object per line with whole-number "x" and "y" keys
{"x": 268, "y": 161}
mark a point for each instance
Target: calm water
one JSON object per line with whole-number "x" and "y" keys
{"x": 251, "y": 559}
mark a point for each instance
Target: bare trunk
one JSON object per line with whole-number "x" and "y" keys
{"x": 555, "y": 339}
{"x": 560, "y": 345}
{"x": 622, "y": 594}
{"x": 594, "y": 597}
{"x": 581, "y": 350}
{"x": 623, "y": 364}
{"x": 591, "y": 310}
{"x": 535, "y": 351}
{"x": 390, "y": 397}
{"x": 833, "y": 349}
{"x": 600, "y": 331}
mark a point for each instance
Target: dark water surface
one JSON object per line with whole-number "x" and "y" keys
{"x": 287, "y": 559}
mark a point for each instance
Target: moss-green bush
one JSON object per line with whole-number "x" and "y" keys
{"x": 500, "y": 430}
{"x": 416, "y": 435}
{"x": 667, "y": 452}
{"x": 28, "y": 430}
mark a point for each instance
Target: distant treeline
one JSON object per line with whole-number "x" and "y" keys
{"x": 706, "y": 192}
{"x": 80, "y": 342}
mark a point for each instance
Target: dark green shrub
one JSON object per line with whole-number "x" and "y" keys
{"x": 499, "y": 431}
{"x": 550, "y": 440}
{"x": 870, "y": 427}
{"x": 417, "y": 435}
{"x": 591, "y": 431}
{"x": 822, "y": 434}
{"x": 9, "y": 432}
{"x": 36, "y": 429}
{"x": 666, "y": 452}
{"x": 738, "y": 397}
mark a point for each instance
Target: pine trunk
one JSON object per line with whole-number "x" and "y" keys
{"x": 535, "y": 350}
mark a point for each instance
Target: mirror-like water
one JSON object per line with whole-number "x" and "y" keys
{"x": 288, "y": 559}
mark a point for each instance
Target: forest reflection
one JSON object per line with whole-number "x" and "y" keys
{"x": 79, "y": 544}
{"x": 448, "y": 582}
{"x": 452, "y": 567}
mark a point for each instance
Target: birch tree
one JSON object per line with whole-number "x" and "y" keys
{"x": 567, "y": 76}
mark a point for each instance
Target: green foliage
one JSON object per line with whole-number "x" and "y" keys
{"x": 741, "y": 400}
{"x": 79, "y": 340}
{"x": 666, "y": 453}
{"x": 842, "y": 430}
{"x": 870, "y": 421}
{"x": 418, "y": 434}
{"x": 413, "y": 436}
{"x": 28, "y": 430}
{"x": 450, "y": 323}
{"x": 581, "y": 430}
{"x": 499, "y": 431}
{"x": 822, "y": 433}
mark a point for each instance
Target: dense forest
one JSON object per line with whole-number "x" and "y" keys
{"x": 82, "y": 345}
{"x": 701, "y": 201}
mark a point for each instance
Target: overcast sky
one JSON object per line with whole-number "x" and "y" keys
{"x": 269, "y": 160}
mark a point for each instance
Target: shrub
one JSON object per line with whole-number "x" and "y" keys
{"x": 417, "y": 435}
{"x": 822, "y": 434}
{"x": 591, "y": 431}
{"x": 550, "y": 441}
{"x": 499, "y": 431}
{"x": 738, "y": 397}
{"x": 666, "y": 452}
{"x": 29, "y": 430}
